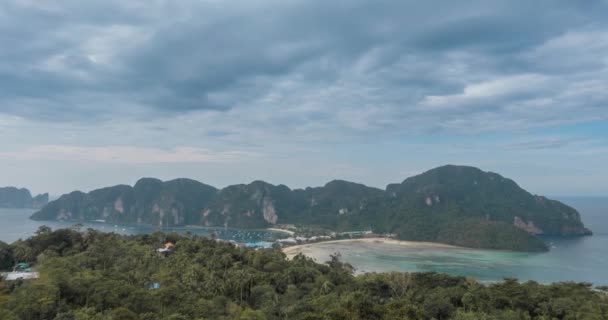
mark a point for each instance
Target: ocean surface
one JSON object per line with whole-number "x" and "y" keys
{"x": 15, "y": 224}
{"x": 581, "y": 259}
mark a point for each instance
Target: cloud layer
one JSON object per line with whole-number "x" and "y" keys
{"x": 119, "y": 78}
{"x": 358, "y": 65}
{"x": 124, "y": 155}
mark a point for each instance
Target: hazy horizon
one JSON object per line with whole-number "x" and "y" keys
{"x": 54, "y": 196}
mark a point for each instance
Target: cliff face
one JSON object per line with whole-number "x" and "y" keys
{"x": 260, "y": 204}
{"x": 11, "y": 197}
{"x": 187, "y": 202}
{"x": 150, "y": 201}
{"x": 39, "y": 201}
{"x": 451, "y": 204}
{"x": 469, "y": 192}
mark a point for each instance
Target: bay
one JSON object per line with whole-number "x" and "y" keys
{"x": 15, "y": 224}
{"x": 575, "y": 259}
{"x": 580, "y": 259}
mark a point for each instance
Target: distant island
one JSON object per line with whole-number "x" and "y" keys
{"x": 14, "y": 198}
{"x": 456, "y": 205}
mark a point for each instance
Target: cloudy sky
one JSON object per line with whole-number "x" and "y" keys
{"x": 101, "y": 92}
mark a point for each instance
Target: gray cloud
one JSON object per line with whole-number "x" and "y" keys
{"x": 307, "y": 67}
{"x": 540, "y": 144}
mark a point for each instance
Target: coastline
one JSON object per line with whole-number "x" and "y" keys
{"x": 72, "y": 222}
{"x": 292, "y": 251}
{"x": 291, "y": 233}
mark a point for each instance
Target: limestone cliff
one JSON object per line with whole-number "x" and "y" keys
{"x": 11, "y": 197}
{"x": 451, "y": 204}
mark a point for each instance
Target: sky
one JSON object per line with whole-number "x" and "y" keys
{"x": 103, "y": 92}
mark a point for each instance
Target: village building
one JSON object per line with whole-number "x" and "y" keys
{"x": 168, "y": 247}
{"x": 21, "y": 271}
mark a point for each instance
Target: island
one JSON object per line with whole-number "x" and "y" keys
{"x": 15, "y": 198}
{"x": 454, "y": 205}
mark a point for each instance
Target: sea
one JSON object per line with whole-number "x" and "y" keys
{"x": 579, "y": 259}
{"x": 15, "y": 224}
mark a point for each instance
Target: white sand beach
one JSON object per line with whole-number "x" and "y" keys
{"x": 309, "y": 247}
{"x": 281, "y": 230}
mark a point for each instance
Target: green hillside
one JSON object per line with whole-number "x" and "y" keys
{"x": 457, "y": 205}
{"x": 102, "y": 276}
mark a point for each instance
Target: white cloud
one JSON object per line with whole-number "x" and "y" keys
{"x": 573, "y": 51}
{"x": 540, "y": 144}
{"x": 126, "y": 154}
{"x": 138, "y": 78}
{"x": 496, "y": 88}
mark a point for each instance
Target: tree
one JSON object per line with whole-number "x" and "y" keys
{"x": 42, "y": 230}
{"x": 399, "y": 283}
{"x": 6, "y": 256}
{"x": 123, "y": 314}
{"x": 249, "y": 314}
{"x": 437, "y": 306}
{"x": 97, "y": 276}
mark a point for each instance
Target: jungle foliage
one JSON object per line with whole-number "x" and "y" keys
{"x": 103, "y": 276}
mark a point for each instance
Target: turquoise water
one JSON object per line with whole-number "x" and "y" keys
{"x": 581, "y": 259}
{"x": 570, "y": 259}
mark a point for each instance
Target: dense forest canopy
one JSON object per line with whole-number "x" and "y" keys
{"x": 103, "y": 276}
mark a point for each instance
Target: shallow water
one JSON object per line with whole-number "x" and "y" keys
{"x": 570, "y": 259}
{"x": 581, "y": 259}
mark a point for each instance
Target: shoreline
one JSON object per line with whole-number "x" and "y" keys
{"x": 186, "y": 227}
{"x": 291, "y": 233}
{"x": 292, "y": 251}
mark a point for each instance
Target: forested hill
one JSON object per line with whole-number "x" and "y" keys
{"x": 11, "y": 197}
{"x": 103, "y": 276}
{"x": 451, "y": 204}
